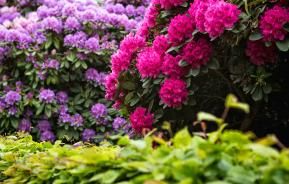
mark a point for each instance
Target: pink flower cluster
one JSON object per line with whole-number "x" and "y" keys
{"x": 272, "y": 22}
{"x": 180, "y": 28}
{"x": 171, "y": 67}
{"x": 213, "y": 16}
{"x": 259, "y": 54}
{"x": 121, "y": 60}
{"x": 111, "y": 86}
{"x": 197, "y": 53}
{"x": 168, "y": 4}
{"x": 149, "y": 63}
{"x": 161, "y": 44}
{"x": 149, "y": 20}
{"x": 141, "y": 119}
{"x": 173, "y": 92}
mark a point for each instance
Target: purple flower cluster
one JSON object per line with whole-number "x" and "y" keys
{"x": 47, "y": 96}
{"x": 75, "y": 120}
{"x": 88, "y": 134}
{"x": 99, "y": 111}
{"x": 94, "y": 76}
{"x": 24, "y": 125}
{"x": 12, "y": 97}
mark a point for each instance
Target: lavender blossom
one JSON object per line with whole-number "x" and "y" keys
{"x": 47, "y": 136}
{"x": 12, "y": 97}
{"x": 44, "y": 125}
{"x": 46, "y": 96}
{"x": 98, "y": 110}
{"x": 118, "y": 123}
{"x": 88, "y": 134}
{"x": 61, "y": 97}
{"x": 24, "y": 126}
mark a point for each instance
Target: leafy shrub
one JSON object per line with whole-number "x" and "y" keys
{"x": 188, "y": 55}
{"x": 220, "y": 157}
{"x": 54, "y": 61}
{"x": 224, "y": 158}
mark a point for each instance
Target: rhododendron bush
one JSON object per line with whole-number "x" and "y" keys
{"x": 54, "y": 59}
{"x": 187, "y": 55}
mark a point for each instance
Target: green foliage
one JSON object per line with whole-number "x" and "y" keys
{"x": 232, "y": 158}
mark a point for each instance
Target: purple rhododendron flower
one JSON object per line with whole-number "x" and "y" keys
{"x": 87, "y": 135}
{"x": 12, "y": 97}
{"x": 46, "y": 96}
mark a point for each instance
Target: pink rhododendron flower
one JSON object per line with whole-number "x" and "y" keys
{"x": 120, "y": 61}
{"x": 149, "y": 63}
{"x": 161, "y": 44}
{"x": 259, "y": 54}
{"x": 168, "y": 4}
{"x": 131, "y": 44}
{"x": 197, "y": 12}
{"x": 272, "y": 22}
{"x": 141, "y": 119}
{"x": 213, "y": 16}
{"x": 149, "y": 21}
{"x": 111, "y": 86}
{"x": 171, "y": 67}
{"x": 180, "y": 28}
{"x": 173, "y": 92}
{"x": 220, "y": 16}
{"x": 197, "y": 53}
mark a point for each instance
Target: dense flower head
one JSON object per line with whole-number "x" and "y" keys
{"x": 214, "y": 16}
{"x": 77, "y": 120}
{"x": 180, "y": 28}
{"x": 92, "y": 44}
{"x": 12, "y": 97}
{"x": 12, "y": 110}
{"x": 168, "y": 4}
{"x": 47, "y": 136}
{"x": 259, "y": 54}
{"x": 61, "y": 97}
{"x": 132, "y": 43}
{"x": 149, "y": 21}
{"x": 149, "y": 63}
{"x": 161, "y": 44}
{"x": 173, "y": 92}
{"x": 44, "y": 125}
{"x": 141, "y": 119}
{"x": 88, "y": 134}
{"x": 24, "y": 125}
{"x": 171, "y": 67}
{"x": 51, "y": 64}
{"x": 98, "y": 110}
{"x": 72, "y": 24}
{"x": 111, "y": 86}
{"x": 118, "y": 123}
{"x": 53, "y": 24}
{"x": 46, "y": 95}
{"x": 120, "y": 61}
{"x": 272, "y": 22}
{"x": 197, "y": 53}
{"x": 220, "y": 16}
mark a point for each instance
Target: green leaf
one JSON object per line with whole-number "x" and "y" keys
{"x": 258, "y": 94}
{"x": 182, "y": 139}
{"x": 203, "y": 116}
{"x": 232, "y": 102}
{"x": 283, "y": 45}
{"x": 183, "y": 63}
{"x": 128, "y": 85}
{"x": 255, "y": 36}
